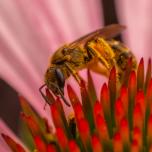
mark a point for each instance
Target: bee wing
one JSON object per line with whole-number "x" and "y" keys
{"x": 107, "y": 32}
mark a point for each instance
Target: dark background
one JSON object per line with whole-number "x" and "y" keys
{"x": 9, "y": 111}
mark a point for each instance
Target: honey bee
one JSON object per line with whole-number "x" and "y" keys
{"x": 97, "y": 51}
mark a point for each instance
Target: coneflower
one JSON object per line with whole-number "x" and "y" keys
{"x": 119, "y": 120}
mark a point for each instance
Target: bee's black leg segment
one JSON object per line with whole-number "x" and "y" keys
{"x": 43, "y": 95}
{"x": 60, "y": 92}
{"x": 73, "y": 72}
{"x": 62, "y": 96}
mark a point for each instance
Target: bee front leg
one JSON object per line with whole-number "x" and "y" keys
{"x": 73, "y": 72}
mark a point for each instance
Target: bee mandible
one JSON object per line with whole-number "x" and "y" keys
{"x": 97, "y": 51}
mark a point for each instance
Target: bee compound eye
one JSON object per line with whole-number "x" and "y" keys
{"x": 60, "y": 77}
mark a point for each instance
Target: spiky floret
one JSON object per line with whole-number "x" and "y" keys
{"x": 119, "y": 120}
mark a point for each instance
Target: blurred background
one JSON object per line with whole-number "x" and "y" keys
{"x": 31, "y": 30}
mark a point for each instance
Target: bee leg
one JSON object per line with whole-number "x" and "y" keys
{"x": 43, "y": 95}
{"x": 73, "y": 72}
{"x": 95, "y": 53}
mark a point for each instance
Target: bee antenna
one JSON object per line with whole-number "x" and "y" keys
{"x": 60, "y": 92}
{"x": 43, "y": 95}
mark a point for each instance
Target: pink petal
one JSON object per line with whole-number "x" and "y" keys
{"x": 136, "y": 15}
{"x": 31, "y": 30}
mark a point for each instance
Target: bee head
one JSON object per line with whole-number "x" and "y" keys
{"x": 55, "y": 80}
